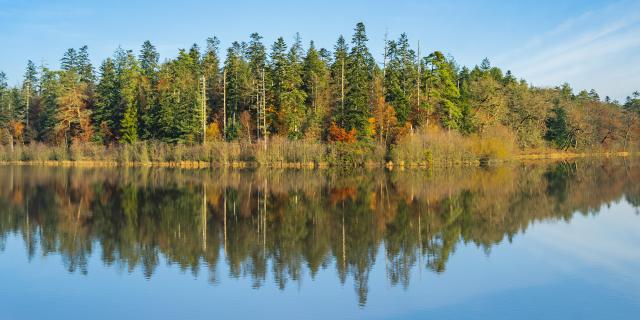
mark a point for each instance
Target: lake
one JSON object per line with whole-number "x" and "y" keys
{"x": 556, "y": 240}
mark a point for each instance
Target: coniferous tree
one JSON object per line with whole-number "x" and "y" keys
{"x": 278, "y": 67}
{"x": 293, "y": 97}
{"x": 442, "y": 91}
{"x": 400, "y": 77}
{"x": 107, "y": 103}
{"x": 338, "y": 79}
{"x": 256, "y": 56}
{"x": 213, "y": 78}
{"x": 4, "y": 88}
{"x": 238, "y": 88}
{"x": 558, "y": 130}
{"x": 148, "y": 58}
{"x": 69, "y": 60}
{"x": 84, "y": 67}
{"x": 30, "y": 97}
{"x": 316, "y": 78}
{"x": 128, "y": 82}
{"x": 359, "y": 77}
{"x": 51, "y": 88}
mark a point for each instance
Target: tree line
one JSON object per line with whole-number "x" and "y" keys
{"x": 300, "y": 92}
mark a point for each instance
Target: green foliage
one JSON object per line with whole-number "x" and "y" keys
{"x": 400, "y": 77}
{"x": 359, "y": 71}
{"x": 558, "y": 129}
{"x": 298, "y": 93}
{"x": 442, "y": 92}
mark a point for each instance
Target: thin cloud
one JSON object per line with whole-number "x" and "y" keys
{"x": 580, "y": 49}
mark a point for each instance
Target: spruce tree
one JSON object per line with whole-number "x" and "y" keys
{"x": 83, "y": 66}
{"x": 239, "y": 91}
{"x": 442, "y": 91}
{"x": 277, "y": 70}
{"x": 359, "y": 76}
{"x": 316, "y": 79}
{"x": 148, "y": 58}
{"x": 107, "y": 103}
{"x": 338, "y": 80}
{"x": 128, "y": 81}
{"x": 213, "y": 78}
{"x": 293, "y": 97}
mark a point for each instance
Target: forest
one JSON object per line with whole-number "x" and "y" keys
{"x": 295, "y": 103}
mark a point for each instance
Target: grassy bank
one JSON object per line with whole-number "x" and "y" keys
{"x": 433, "y": 148}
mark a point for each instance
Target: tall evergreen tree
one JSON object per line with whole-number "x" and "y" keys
{"x": 293, "y": 97}
{"x": 83, "y": 66}
{"x": 316, "y": 79}
{"x": 256, "y": 56}
{"x": 148, "y": 59}
{"x": 29, "y": 95}
{"x": 278, "y": 66}
{"x": 51, "y": 89}
{"x": 213, "y": 78}
{"x": 359, "y": 83}
{"x": 558, "y": 130}
{"x": 128, "y": 82}
{"x": 338, "y": 79}
{"x": 239, "y": 91}
{"x": 442, "y": 91}
{"x": 105, "y": 114}
{"x": 69, "y": 60}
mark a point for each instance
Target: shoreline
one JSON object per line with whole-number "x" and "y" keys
{"x": 311, "y": 165}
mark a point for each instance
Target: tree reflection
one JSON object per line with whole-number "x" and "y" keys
{"x": 288, "y": 225}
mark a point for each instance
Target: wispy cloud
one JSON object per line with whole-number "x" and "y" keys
{"x": 598, "y": 49}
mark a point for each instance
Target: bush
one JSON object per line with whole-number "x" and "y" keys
{"x": 282, "y": 150}
{"x": 351, "y": 155}
{"x": 434, "y": 146}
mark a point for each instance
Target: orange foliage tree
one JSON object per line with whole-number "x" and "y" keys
{"x": 339, "y": 134}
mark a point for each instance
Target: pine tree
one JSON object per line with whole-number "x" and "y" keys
{"x": 148, "y": 58}
{"x": 400, "y": 77}
{"x": 442, "y": 91}
{"x": 4, "y": 89}
{"x": 558, "y": 130}
{"x": 69, "y": 60}
{"x": 293, "y": 97}
{"x": 107, "y": 103}
{"x": 51, "y": 89}
{"x": 239, "y": 91}
{"x": 83, "y": 66}
{"x": 30, "y": 95}
{"x": 359, "y": 76}
{"x": 213, "y": 78}
{"x": 316, "y": 79}
{"x": 338, "y": 80}
{"x": 128, "y": 82}
{"x": 256, "y": 56}
{"x": 277, "y": 70}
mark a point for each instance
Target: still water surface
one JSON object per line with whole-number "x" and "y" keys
{"x": 526, "y": 241}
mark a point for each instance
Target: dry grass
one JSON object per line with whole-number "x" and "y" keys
{"x": 434, "y": 146}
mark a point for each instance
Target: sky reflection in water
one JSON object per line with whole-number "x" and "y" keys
{"x": 550, "y": 241}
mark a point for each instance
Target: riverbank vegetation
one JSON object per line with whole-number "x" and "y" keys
{"x": 298, "y": 104}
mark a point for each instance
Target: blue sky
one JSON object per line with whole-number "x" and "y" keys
{"x": 588, "y": 43}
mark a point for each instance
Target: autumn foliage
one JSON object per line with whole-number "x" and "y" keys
{"x": 339, "y": 134}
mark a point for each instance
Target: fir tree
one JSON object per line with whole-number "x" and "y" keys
{"x": 359, "y": 76}
{"x": 293, "y": 97}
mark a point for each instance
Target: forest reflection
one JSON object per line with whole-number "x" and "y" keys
{"x": 291, "y": 224}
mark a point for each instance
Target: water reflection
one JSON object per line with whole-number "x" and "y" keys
{"x": 291, "y": 224}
